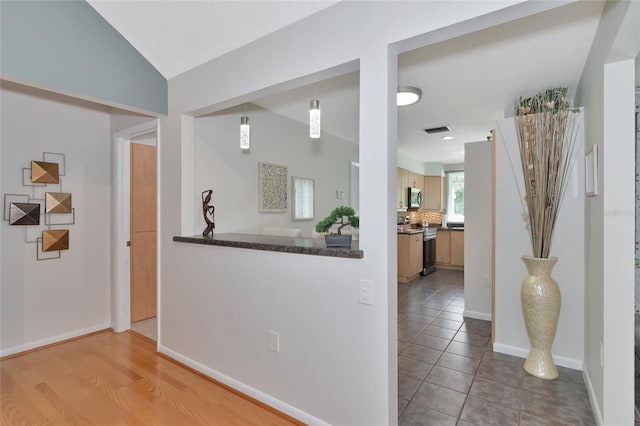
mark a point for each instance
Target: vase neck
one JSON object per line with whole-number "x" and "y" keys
{"x": 539, "y": 266}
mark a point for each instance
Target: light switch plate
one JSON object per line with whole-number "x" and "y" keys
{"x": 365, "y": 287}
{"x": 274, "y": 341}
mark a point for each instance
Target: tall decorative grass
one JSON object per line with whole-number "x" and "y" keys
{"x": 546, "y": 129}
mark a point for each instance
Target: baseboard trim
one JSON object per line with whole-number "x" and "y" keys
{"x": 54, "y": 340}
{"x": 477, "y": 315}
{"x": 574, "y": 364}
{"x": 244, "y": 389}
{"x": 592, "y": 398}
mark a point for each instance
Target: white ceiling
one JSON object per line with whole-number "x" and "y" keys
{"x": 466, "y": 82}
{"x": 176, "y": 36}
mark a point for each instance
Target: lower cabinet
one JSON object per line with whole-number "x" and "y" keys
{"x": 450, "y": 249}
{"x": 409, "y": 256}
{"x": 457, "y": 248}
{"x": 443, "y": 247}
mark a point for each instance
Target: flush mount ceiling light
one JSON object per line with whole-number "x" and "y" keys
{"x": 408, "y": 95}
{"x": 448, "y": 138}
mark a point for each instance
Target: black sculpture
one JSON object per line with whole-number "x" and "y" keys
{"x": 207, "y": 211}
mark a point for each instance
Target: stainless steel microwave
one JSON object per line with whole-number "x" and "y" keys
{"x": 414, "y": 198}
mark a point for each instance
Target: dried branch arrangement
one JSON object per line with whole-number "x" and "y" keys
{"x": 545, "y": 125}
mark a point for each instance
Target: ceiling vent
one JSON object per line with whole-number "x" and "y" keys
{"x": 438, "y": 130}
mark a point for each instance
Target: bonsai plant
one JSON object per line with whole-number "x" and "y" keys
{"x": 341, "y": 216}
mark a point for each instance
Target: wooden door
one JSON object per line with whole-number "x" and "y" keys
{"x": 143, "y": 232}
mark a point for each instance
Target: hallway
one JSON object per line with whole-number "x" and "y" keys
{"x": 448, "y": 374}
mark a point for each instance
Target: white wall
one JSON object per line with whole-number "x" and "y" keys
{"x": 512, "y": 242}
{"x": 46, "y": 301}
{"x": 606, "y": 89}
{"x": 221, "y": 165}
{"x": 355, "y": 382}
{"x": 478, "y": 231}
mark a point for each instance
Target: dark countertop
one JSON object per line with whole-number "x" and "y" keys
{"x": 408, "y": 230}
{"x": 300, "y": 245}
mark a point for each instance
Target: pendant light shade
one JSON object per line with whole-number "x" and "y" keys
{"x": 245, "y": 133}
{"x": 314, "y": 119}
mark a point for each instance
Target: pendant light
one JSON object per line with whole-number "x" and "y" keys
{"x": 314, "y": 116}
{"x": 245, "y": 133}
{"x": 314, "y": 119}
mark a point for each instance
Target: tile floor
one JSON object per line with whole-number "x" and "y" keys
{"x": 448, "y": 374}
{"x": 148, "y": 328}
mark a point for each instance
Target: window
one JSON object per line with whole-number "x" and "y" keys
{"x": 455, "y": 197}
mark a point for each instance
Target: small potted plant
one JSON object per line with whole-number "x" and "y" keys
{"x": 341, "y": 216}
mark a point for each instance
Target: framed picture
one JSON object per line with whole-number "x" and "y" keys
{"x": 272, "y": 187}
{"x": 591, "y": 171}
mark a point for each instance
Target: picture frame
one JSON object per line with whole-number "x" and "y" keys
{"x": 272, "y": 188}
{"x": 591, "y": 172}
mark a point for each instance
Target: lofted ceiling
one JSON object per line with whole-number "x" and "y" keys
{"x": 178, "y": 35}
{"x": 466, "y": 82}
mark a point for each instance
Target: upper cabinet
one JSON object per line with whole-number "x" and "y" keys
{"x": 432, "y": 197}
{"x": 406, "y": 179}
{"x": 431, "y": 187}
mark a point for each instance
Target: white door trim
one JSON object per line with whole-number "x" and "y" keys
{"x": 121, "y": 309}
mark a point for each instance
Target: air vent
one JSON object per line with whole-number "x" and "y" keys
{"x": 438, "y": 130}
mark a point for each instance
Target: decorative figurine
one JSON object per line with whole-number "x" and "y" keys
{"x": 207, "y": 211}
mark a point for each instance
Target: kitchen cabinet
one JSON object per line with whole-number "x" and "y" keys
{"x": 433, "y": 195}
{"x": 409, "y": 256}
{"x": 405, "y": 179}
{"x": 443, "y": 247}
{"x": 457, "y": 248}
{"x": 450, "y": 249}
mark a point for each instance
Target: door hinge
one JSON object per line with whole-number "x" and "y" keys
{"x": 128, "y": 243}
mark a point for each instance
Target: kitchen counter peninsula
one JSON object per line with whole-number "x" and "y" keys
{"x": 299, "y": 245}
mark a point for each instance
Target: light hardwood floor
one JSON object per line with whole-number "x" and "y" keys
{"x": 116, "y": 379}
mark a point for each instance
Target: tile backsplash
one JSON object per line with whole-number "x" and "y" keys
{"x": 418, "y": 216}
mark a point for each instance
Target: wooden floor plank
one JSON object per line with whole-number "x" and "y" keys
{"x": 117, "y": 379}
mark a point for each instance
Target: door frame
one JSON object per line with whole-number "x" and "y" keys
{"x": 121, "y": 299}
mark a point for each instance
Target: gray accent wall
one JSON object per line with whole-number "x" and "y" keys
{"x": 67, "y": 46}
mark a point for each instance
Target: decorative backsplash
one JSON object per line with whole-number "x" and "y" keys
{"x": 418, "y": 216}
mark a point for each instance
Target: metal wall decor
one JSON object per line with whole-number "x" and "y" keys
{"x": 273, "y": 187}
{"x": 58, "y": 202}
{"x": 56, "y": 206}
{"x": 24, "y": 214}
{"x": 55, "y": 239}
{"x": 44, "y": 172}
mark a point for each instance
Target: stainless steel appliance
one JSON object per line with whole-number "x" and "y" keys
{"x": 428, "y": 251}
{"x": 414, "y": 198}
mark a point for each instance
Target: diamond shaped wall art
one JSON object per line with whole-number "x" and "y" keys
{"x": 43, "y": 172}
{"x": 56, "y": 239}
{"x": 24, "y": 214}
{"x": 58, "y": 202}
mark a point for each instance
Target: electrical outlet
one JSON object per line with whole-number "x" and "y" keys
{"x": 365, "y": 287}
{"x": 340, "y": 194}
{"x": 274, "y": 341}
{"x": 485, "y": 281}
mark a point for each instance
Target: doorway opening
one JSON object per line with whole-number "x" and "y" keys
{"x": 136, "y": 219}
